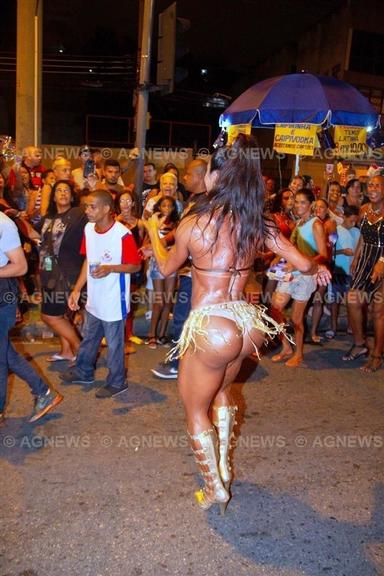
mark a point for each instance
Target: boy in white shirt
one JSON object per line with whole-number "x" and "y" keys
{"x": 111, "y": 256}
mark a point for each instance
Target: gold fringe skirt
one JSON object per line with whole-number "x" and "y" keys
{"x": 247, "y": 317}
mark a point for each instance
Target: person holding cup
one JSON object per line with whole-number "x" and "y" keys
{"x": 111, "y": 255}
{"x": 92, "y": 267}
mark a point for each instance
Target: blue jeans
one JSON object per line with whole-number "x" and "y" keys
{"x": 181, "y": 309}
{"x": 12, "y": 360}
{"x": 94, "y": 330}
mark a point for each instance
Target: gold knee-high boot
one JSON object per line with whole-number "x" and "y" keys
{"x": 224, "y": 419}
{"x": 205, "y": 450}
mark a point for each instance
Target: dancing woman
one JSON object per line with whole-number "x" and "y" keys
{"x": 221, "y": 235}
{"x": 309, "y": 237}
{"x": 367, "y": 270}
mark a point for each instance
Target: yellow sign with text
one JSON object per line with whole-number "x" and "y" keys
{"x": 295, "y": 139}
{"x": 236, "y": 129}
{"x": 350, "y": 141}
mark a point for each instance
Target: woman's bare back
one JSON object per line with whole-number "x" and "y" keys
{"x": 217, "y": 274}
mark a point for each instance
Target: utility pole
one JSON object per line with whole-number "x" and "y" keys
{"x": 29, "y": 72}
{"x": 142, "y": 92}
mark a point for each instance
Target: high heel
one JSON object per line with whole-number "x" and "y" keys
{"x": 205, "y": 449}
{"x": 224, "y": 419}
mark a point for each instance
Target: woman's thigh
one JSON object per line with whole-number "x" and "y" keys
{"x": 169, "y": 286}
{"x": 318, "y": 296}
{"x": 158, "y": 290}
{"x": 280, "y": 300}
{"x": 203, "y": 366}
{"x": 357, "y": 298}
{"x": 298, "y": 310}
{"x": 378, "y": 303}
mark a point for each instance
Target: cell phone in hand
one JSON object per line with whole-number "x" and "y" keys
{"x": 89, "y": 168}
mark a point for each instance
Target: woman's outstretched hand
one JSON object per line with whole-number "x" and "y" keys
{"x": 146, "y": 252}
{"x": 323, "y": 275}
{"x": 153, "y": 223}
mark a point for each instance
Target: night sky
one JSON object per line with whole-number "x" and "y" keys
{"x": 236, "y": 33}
{"x": 227, "y": 37}
{"x": 241, "y": 32}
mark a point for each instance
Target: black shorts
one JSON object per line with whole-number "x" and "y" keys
{"x": 54, "y": 303}
{"x": 339, "y": 286}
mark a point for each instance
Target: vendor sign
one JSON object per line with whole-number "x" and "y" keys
{"x": 295, "y": 139}
{"x": 236, "y": 129}
{"x": 350, "y": 141}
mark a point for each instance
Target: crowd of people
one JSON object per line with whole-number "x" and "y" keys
{"x": 83, "y": 242}
{"x": 342, "y": 229}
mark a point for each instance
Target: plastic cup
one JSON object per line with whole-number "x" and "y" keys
{"x": 93, "y": 266}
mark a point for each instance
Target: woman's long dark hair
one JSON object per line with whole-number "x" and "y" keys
{"x": 174, "y": 215}
{"x": 238, "y": 193}
{"x": 52, "y": 209}
{"x": 277, "y": 204}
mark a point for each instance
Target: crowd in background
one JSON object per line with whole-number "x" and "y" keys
{"x": 339, "y": 226}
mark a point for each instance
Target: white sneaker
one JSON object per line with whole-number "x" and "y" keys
{"x": 165, "y": 371}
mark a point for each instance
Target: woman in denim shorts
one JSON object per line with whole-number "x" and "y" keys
{"x": 309, "y": 237}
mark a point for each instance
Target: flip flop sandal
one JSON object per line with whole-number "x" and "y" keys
{"x": 136, "y": 340}
{"x": 152, "y": 343}
{"x": 59, "y": 358}
{"x": 360, "y": 351}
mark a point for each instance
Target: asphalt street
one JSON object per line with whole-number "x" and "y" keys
{"x": 105, "y": 487}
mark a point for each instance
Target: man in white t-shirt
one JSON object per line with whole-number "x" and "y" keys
{"x": 110, "y": 257}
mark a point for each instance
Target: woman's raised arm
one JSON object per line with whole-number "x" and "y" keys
{"x": 285, "y": 249}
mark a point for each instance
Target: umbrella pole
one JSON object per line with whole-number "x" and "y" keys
{"x": 297, "y": 164}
